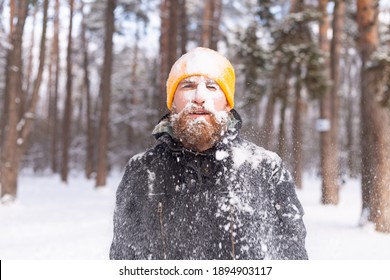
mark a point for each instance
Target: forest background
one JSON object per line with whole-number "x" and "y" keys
{"x": 82, "y": 84}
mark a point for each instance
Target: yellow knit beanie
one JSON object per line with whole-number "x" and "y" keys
{"x": 202, "y": 62}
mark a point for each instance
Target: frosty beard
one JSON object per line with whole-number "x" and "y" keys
{"x": 197, "y": 134}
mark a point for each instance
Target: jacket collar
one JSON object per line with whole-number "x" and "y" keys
{"x": 163, "y": 132}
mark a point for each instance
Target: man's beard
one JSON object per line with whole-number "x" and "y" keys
{"x": 198, "y": 134}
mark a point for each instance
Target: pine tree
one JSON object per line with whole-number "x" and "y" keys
{"x": 375, "y": 123}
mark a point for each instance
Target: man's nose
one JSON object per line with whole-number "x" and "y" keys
{"x": 199, "y": 96}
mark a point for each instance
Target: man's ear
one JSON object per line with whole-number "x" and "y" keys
{"x": 227, "y": 107}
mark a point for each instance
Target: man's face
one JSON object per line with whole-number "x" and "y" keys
{"x": 204, "y": 95}
{"x": 200, "y": 113}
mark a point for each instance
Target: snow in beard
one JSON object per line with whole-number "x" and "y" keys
{"x": 221, "y": 117}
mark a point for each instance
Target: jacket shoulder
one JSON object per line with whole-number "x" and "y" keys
{"x": 246, "y": 152}
{"x": 147, "y": 156}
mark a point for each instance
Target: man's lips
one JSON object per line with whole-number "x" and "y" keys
{"x": 200, "y": 112}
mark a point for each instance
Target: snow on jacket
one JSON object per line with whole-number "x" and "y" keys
{"x": 234, "y": 201}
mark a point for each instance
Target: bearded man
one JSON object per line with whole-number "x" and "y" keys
{"x": 203, "y": 192}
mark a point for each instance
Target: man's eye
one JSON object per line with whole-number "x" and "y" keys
{"x": 212, "y": 87}
{"x": 187, "y": 86}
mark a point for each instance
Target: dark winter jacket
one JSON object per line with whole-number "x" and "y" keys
{"x": 234, "y": 201}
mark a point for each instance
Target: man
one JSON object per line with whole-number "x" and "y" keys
{"x": 203, "y": 192}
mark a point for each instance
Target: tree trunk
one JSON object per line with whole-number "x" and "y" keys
{"x": 329, "y": 160}
{"x": 368, "y": 43}
{"x": 210, "y": 24}
{"x": 297, "y": 130}
{"x": 19, "y": 129}
{"x": 183, "y": 26}
{"x": 296, "y": 7}
{"x": 164, "y": 69}
{"x": 2, "y": 80}
{"x": 207, "y": 23}
{"x": 28, "y": 115}
{"x": 55, "y": 59}
{"x": 282, "y": 145}
{"x": 105, "y": 90}
{"x": 5, "y": 113}
{"x": 12, "y": 17}
{"x": 168, "y": 43}
{"x": 268, "y": 126}
{"x": 79, "y": 108}
{"x": 9, "y": 163}
{"x": 338, "y": 27}
{"x": 172, "y": 32}
{"x": 375, "y": 123}
{"x": 131, "y": 136}
{"x": 67, "y": 119}
{"x": 216, "y": 24}
{"x": 279, "y": 89}
{"x": 353, "y": 157}
{"x": 89, "y": 166}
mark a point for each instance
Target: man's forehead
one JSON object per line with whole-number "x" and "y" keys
{"x": 198, "y": 79}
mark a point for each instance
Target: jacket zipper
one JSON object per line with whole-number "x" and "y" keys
{"x": 160, "y": 211}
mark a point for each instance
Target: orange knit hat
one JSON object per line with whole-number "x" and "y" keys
{"x": 202, "y": 62}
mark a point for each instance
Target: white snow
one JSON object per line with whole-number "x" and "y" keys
{"x": 201, "y": 90}
{"x": 151, "y": 179}
{"x": 242, "y": 154}
{"x": 333, "y": 232}
{"x": 19, "y": 141}
{"x": 211, "y": 98}
{"x": 136, "y": 157}
{"x": 21, "y": 124}
{"x": 238, "y": 204}
{"x": 221, "y": 155}
{"x": 51, "y": 220}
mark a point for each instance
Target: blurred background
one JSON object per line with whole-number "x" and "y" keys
{"x": 82, "y": 85}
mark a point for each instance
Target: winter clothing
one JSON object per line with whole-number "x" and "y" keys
{"x": 233, "y": 201}
{"x": 218, "y": 68}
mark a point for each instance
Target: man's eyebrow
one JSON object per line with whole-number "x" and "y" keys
{"x": 187, "y": 81}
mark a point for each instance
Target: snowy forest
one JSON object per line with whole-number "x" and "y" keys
{"x": 82, "y": 85}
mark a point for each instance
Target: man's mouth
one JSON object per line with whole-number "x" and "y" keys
{"x": 199, "y": 113}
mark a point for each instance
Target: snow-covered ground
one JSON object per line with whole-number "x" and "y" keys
{"x": 51, "y": 220}
{"x": 333, "y": 232}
